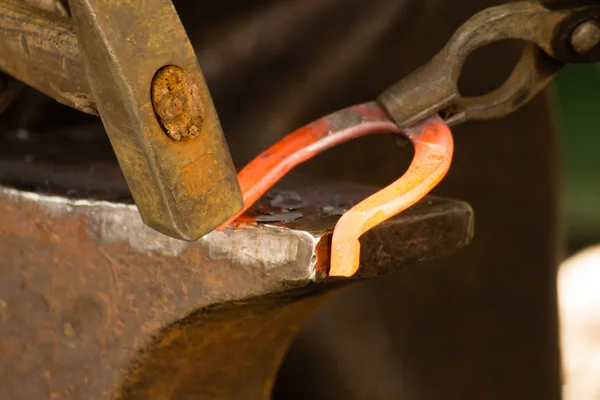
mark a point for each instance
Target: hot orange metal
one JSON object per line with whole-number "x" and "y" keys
{"x": 433, "y": 153}
{"x": 434, "y": 146}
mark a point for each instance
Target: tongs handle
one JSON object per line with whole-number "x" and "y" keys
{"x": 433, "y": 88}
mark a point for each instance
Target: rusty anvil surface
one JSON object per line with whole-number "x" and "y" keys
{"x": 95, "y": 305}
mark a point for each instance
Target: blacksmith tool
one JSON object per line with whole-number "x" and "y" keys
{"x": 135, "y": 60}
{"x": 433, "y": 154}
{"x": 556, "y": 32}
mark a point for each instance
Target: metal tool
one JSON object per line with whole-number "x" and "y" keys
{"x": 96, "y": 305}
{"x": 433, "y": 154}
{"x": 158, "y": 114}
{"x": 151, "y": 95}
{"x": 568, "y": 32}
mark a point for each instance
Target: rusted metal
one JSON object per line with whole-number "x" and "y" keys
{"x": 433, "y": 88}
{"x": 94, "y": 304}
{"x": 433, "y": 154}
{"x": 41, "y": 49}
{"x": 176, "y": 104}
{"x": 183, "y": 189}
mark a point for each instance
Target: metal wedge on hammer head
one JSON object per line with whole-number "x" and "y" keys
{"x": 158, "y": 113}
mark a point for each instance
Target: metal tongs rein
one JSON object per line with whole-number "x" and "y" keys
{"x": 556, "y": 32}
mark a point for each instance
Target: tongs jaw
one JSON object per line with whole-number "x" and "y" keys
{"x": 554, "y": 37}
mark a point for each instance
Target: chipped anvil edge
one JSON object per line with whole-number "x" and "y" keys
{"x": 118, "y": 222}
{"x": 113, "y": 222}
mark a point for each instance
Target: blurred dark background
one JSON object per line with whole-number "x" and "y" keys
{"x": 481, "y": 324}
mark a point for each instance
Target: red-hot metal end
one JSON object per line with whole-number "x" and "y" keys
{"x": 434, "y": 146}
{"x": 433, "y": 153}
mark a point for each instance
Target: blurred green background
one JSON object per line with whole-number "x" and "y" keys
{"x": 577, "y": 91}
